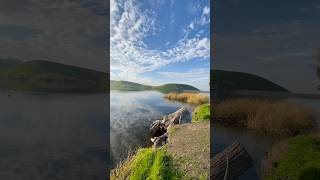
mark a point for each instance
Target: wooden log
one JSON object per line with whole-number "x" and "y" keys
{"x": 159, "y": 127}
{"x": 176, "y": 117}
{"x": 160, "y": 141}
{"x": 230, "y": 163}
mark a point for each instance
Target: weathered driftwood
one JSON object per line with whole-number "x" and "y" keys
{"x": 160, "y": 141}
{"x": 230, "y": 163}
{"x": 158, "y": 129}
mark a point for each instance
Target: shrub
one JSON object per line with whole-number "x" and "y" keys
{"x": 296, "y": 158}
{"x": 201, "y": 113}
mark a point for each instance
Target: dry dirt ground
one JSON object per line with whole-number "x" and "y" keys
{"x": 189, "y": 144}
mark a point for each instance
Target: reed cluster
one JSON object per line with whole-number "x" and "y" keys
{"x": 275, "y": 117}
{"x": 192, "y": 98}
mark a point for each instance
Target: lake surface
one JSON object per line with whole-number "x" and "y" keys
{"x": 53, "y": 136}
{"x": 131, "y": 114}
{"x": 257, "y": 144}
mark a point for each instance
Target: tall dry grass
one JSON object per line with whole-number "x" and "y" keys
{"x": 192, "y": 98}
{"x": 276, "y": 117}
{"x": 123, "y": 168}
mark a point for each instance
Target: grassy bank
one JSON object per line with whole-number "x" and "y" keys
{"x": 192, "y": 98}
{"x": 201, "y": 113}
{"x": 275, "y": 117}
{"x": 146, "y": 164}
{"x": 174, "y": 160}
{"x": 296, "y": 158}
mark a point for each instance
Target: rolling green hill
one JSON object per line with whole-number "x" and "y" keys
{"x": 130, "y": 86}
{"x": 167, "y": 88}
{"x": 40, "y": 75}
{"x": 242, "y": 81}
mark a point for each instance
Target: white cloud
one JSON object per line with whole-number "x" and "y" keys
{"x": 191, "y": 25}
{"x": 206, "y": 10}
{"x": 129, "y": 25}
{"x": 198, "y": 22}
{"x": 198, "y": 73}
{"x": 135, "y": 77}
{"x": 198, "y": 77}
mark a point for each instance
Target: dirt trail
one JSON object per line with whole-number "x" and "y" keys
{"x": 190, "y": 146}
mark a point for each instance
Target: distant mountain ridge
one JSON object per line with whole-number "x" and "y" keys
{"x": 41, "y": 75}
{"x": 166, "y": 88}
{"x": 231, "y": 80}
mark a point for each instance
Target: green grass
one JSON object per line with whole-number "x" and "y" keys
{"x": 296, "y": 159}
{"x": 192, "y": 98}
{"x": 240, "y": 80}
{"x": 201, "y": 113}
{"x": 172, "y": 161}
{"x": 147, "y": 164}
{"x": 274, "y": 117}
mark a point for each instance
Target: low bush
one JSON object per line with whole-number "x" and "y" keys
{"x": 296, "y": 158}
{"x": 201, "y": 113}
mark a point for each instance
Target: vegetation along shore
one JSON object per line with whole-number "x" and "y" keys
{"x": 268, "y": 116}
{"x": 171, "y": 160}
{"x": 297, "y": 153}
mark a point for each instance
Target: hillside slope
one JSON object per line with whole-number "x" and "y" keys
{"x": 166, "y": 88}
{"x": 242, "y": 81}
{"x": 128, "y": 86}
{"x": 40, "y": 75}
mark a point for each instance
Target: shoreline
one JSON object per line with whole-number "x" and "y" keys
{"x": 257, "y": 141}
{"x": 163, "y": 145}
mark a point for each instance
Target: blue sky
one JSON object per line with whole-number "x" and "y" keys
{"x": 68, "y": 32}
{"x": 274, "y": 39}
{"x": 160, "y": 41}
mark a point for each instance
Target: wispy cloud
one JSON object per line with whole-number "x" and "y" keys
{"x": 198, "y": 76}
{"x": 130, "y": 55}
{"x": 196, "y": 23}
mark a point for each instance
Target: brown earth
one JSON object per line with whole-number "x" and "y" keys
{"x": 189, "y": 144}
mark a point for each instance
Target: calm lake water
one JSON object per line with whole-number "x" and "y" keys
{"x": 131, "y": 114}
{"x": 53, "y": 136}
{"x": 256, "y": 144}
